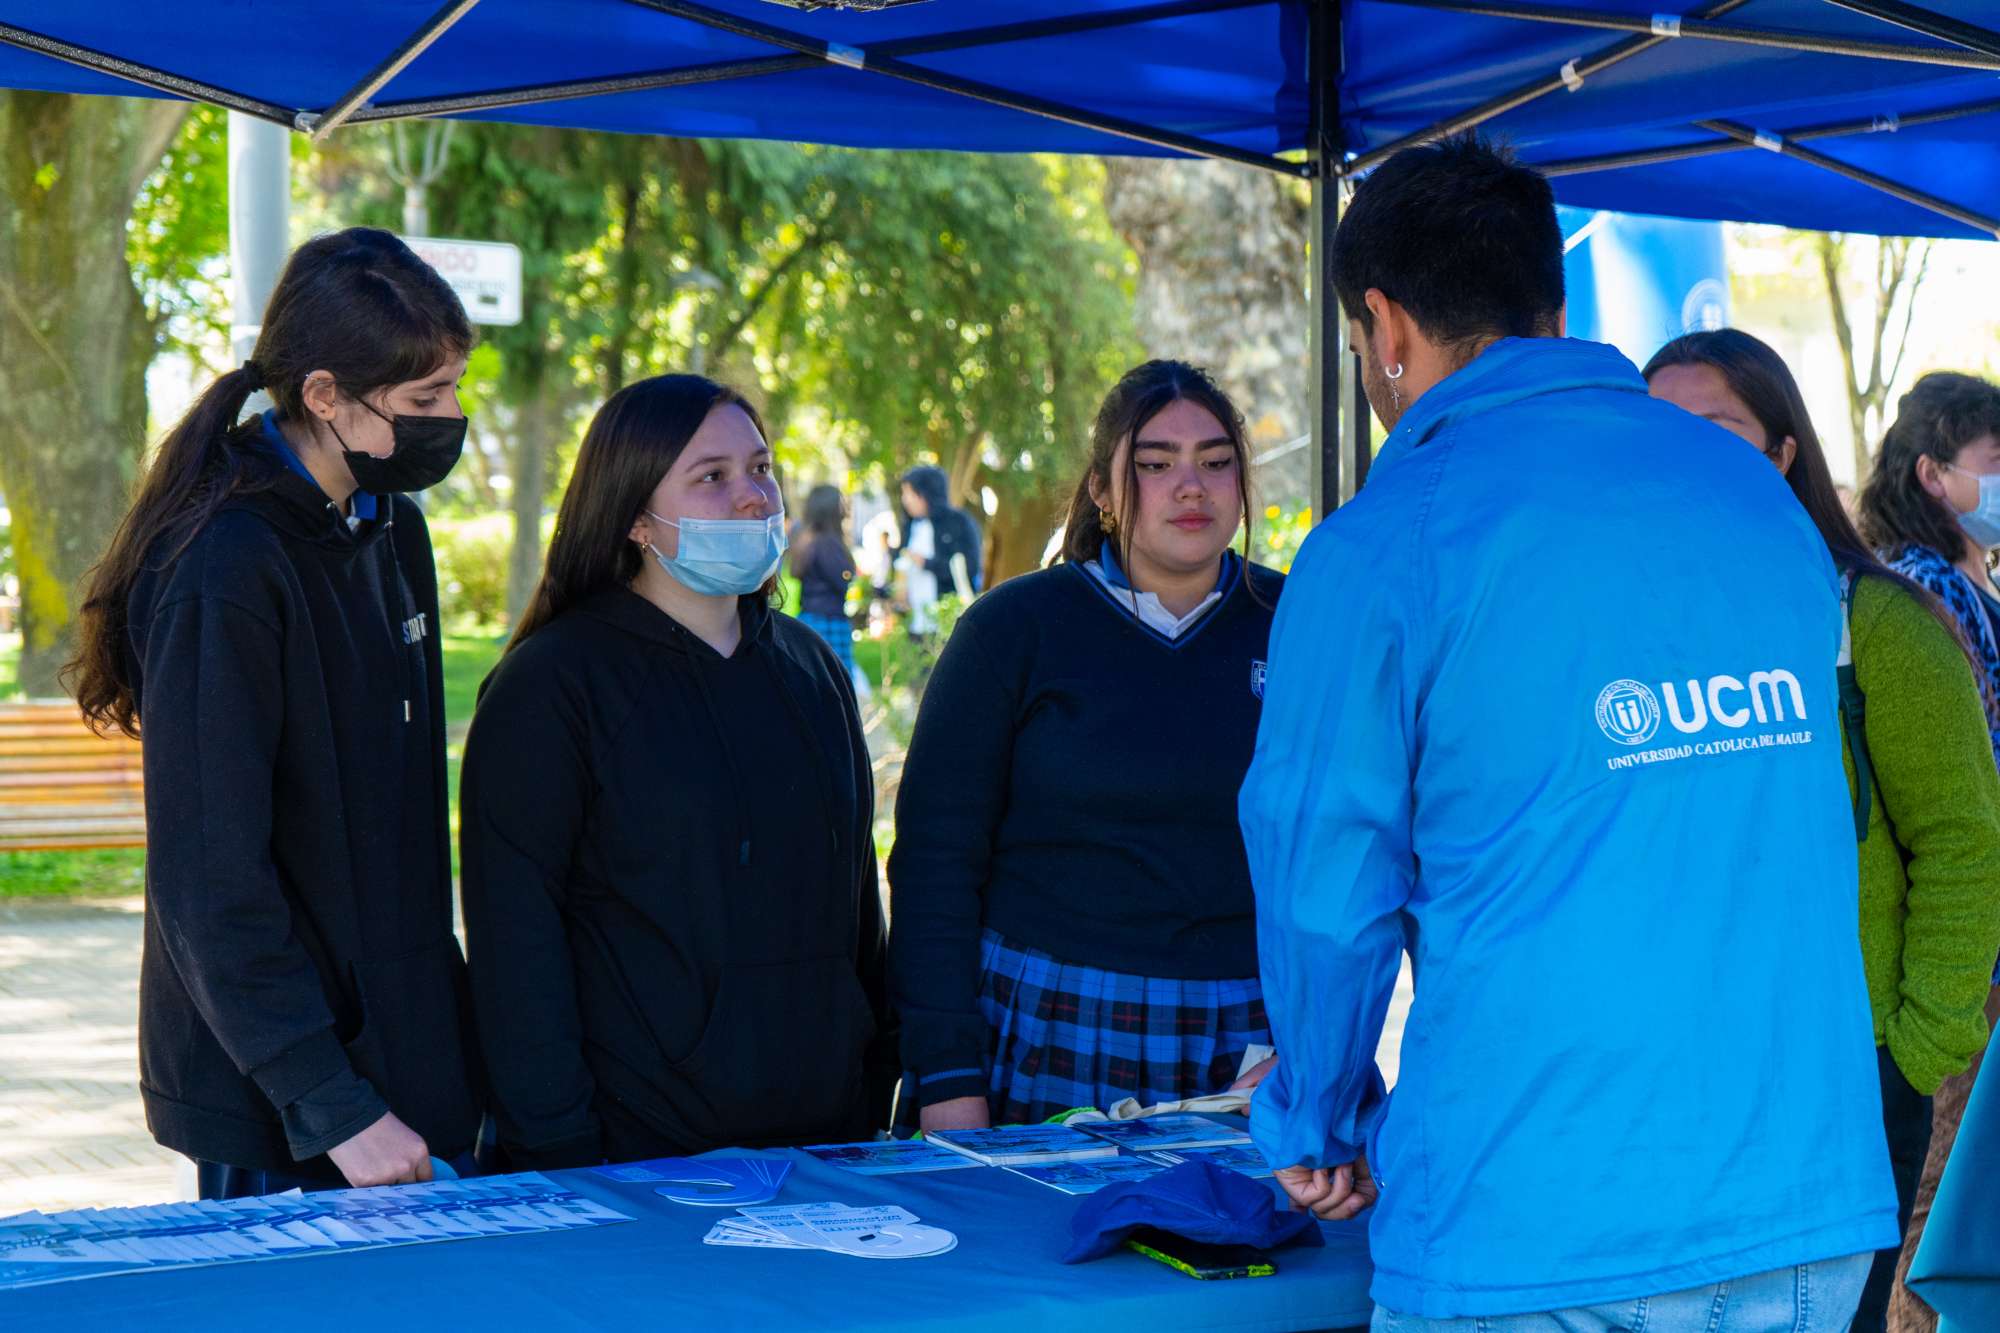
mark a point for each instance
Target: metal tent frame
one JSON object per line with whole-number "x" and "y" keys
{"x": 1339, "y": 416}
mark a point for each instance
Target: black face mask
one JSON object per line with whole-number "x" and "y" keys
{"x": 427, "y": 448}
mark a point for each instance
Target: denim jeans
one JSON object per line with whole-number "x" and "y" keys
{"x": 1812, "y": 1298}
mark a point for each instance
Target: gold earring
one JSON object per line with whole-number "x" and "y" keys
{"x": 1107, "y": 521}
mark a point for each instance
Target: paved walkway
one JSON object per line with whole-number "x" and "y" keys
{"x": 71, "y": 1131}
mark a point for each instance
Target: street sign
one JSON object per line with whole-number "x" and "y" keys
{"x": 485, "y": 274}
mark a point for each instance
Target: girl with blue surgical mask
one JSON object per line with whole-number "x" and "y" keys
{"x": 1932, "y": 507}
{"x": 660, "y": 964}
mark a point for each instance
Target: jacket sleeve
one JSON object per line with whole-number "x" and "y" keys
{"x": 211, "y": 669}
{"x": 1932, "y": 757}
{"x": 524, "y": 795}
{"x": 1326, "y": 816}
{"x": 948, "y": 812}
{"x": 871, "y": 952}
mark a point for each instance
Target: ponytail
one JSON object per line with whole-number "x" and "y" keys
{"x": 194, "y": 471}
{"x": 358, "y": 304}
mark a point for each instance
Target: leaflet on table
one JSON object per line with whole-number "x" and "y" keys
{"x": 1090, "y": 1177}
{"x": 1013, "y": 1145}
{"x": 37, "y": 1248}
{"x": 1243, "y": 1160}
{"x": 877, "y": 1232}
{"x": 889, "y": 1157}
{"x": 1165, "y": 1133}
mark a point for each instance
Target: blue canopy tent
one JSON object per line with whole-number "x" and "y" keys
{"x": 1857, "y": 115}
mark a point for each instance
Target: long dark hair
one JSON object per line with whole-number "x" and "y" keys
{"x": 1144, "y": 393}
{"x": 826, "y": 513}
{"x": 1760, "y": 378}
{"x": 357, "y": 304}
{"x": 633, "y": 441}
{"x": 1941, "y": 414}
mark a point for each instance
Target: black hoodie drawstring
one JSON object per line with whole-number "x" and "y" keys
{"x": 412, "y": 625}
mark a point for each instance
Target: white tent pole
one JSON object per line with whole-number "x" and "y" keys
{"x": 260, "y": 196}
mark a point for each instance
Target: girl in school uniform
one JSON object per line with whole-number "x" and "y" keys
{"x": 1072, "y": 906}
{"x": 673, "y": 926}
{"x": 264, "y": 623}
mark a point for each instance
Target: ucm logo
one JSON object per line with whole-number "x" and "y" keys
{"x": 1628, "y": 712}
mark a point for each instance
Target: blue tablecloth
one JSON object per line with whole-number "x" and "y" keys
{"x": 656, "y": 1273}
{"x": 1957, "y": 1266}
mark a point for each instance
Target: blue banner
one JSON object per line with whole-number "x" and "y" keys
{"x": 1635, "y": 282}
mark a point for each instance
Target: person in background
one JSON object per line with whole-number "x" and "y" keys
{"x": 1607, "y": 820}
{"x": 941, "y": 552}
{"x": 823, "y": 563}
{"x": 265, "y": 620}
{"x": 1931, "y": 506}
{"x": 1071, "y": 905}
{"x": 1919, "y": 762}
{"x": 660, "y": 966}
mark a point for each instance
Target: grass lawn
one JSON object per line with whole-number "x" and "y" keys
{"x": 466, "y": 662}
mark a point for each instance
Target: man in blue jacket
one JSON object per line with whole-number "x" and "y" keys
{"x": 1551, "y": 704}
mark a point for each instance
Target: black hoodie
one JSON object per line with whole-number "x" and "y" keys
{"x": 672, "y": 920}
{"x": 300, "y": 976}
{"x": 953, "y": 531}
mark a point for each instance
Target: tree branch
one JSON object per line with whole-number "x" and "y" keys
{"x": 722, "y": 340}
{"x": 158, "y": 124}
{"x": 1910, "y": 313}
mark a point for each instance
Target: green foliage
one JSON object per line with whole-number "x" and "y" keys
{"x": 468, "y": 661}
{"x": 885, "y": 308}
{"x": 472, "y": 572}
{"x": 178, "y": 238}
{"x": 1279, "y": 537}
{"x": 55, "y": 874}
{"x": 967, "y": 310}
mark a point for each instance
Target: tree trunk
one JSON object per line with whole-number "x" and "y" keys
{"x": 75, "y": 343}
{"x": 1223, "y": 247}
{"x": 528, "y": 466}
{"x": 1017, "y": 535}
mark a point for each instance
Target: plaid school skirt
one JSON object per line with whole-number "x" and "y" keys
{"x": 838, "y": 633}
{"x": 1067, "y": 1036}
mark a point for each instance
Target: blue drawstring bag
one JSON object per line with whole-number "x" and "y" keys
{"x": 1198, "y": 1200}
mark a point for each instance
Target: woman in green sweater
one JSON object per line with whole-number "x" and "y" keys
{"x": 1920, "y": 769}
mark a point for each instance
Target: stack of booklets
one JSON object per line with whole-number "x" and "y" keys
{"x": 1023, "y": 1145}
{"x": 889, "y": 1157}
{"x": 879, "y": 1232}
{"x": 1166, "y": 1133}
{"x": 1090, "y": 1177}
{"x": 708, "y": 1182}
{"x": 96, "y": 1242}
{"x": 1245, "y": 1160}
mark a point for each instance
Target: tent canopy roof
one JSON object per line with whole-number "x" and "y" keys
{"x": 1913, "y": 95}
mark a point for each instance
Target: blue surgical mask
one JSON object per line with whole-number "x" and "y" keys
{"x": 724, "y": 557}
{"x": 1983, "y": 523}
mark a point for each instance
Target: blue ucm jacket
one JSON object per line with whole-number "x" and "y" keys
{"x": 1552, "y": 704}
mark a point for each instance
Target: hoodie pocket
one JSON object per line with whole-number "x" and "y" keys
{"x": 413, "y": 1043}
{"x": 781, "y": 1056}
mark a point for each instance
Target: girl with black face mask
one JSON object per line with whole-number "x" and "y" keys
{"x": 264, "y": 621}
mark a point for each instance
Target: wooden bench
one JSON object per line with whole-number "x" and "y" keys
{"x": 62, "y": 786}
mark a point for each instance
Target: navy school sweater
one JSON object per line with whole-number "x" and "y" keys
{"x": 1072, "y": 785}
